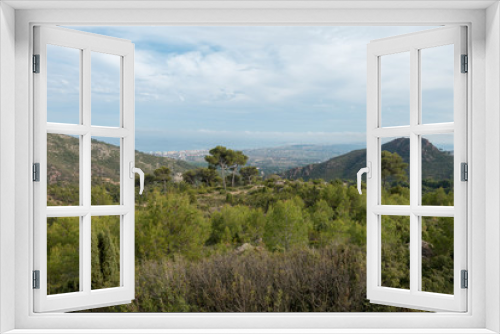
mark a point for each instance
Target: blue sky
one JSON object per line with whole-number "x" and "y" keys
{"x": 246, "y": 87}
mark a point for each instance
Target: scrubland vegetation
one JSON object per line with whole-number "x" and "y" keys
{"x": 253, "y": 245}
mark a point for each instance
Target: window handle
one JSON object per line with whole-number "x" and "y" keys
{"x": 368, "y": 171}
{"x": 134, "y": 170}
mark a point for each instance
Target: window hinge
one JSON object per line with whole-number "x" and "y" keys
{"x": 465, "y": 279}
{"x": 465, "y": 64}
{"x": 464, "y": 171}
{"x": 36, "y": 279}
{"x": 36, "y": 63}
{"x": 36, "y": 172}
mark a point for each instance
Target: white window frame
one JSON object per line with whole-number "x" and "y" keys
{"x": 413, "y": 44}
{"x": 484, "y": 266}
{"x": 86, "y": 43}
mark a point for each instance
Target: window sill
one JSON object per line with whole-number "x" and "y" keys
{"x": 252, "y": 331}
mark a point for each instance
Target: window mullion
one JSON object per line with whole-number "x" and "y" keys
{"x": 414, "y": 171}
{"x": 85, "y": 158}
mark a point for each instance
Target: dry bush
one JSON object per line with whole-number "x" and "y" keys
{"x": 331, "y": 279}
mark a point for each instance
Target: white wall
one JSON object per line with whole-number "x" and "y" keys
{"x": 492, "y": 165}
{"x": 7, "y": 161}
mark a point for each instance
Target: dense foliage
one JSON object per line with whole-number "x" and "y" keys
{"x": 268, "y": 245}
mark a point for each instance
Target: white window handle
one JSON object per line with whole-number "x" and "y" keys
{"x": 134, "y": 170}
{"x": 368, "y": 171}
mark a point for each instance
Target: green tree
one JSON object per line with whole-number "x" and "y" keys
{"x": 105, "y": 194}
{"x": 248, "y": 173}
{"x": 393, "y": 167}
{"x": 169, "y": 224}
{"x": 207, "y": 176}
{"x": 63, "y": 269}
{"x": 287, "y": 225}
{"x": 239, "y": 159}
{"x": 105, "y": 252}
{"x": 241, "y": 223}
{"x": 395, "y": 242}
{"x": 322, "y": 223}
{"x": 96, "y": 273}
{"x": 164, "y": 175}
{"x": 109, "y": 259}
{"x": 221, "y": 157}
{"x": 437, "y": 254}
{"x": 438, "y": 197}
{"x": 192, "y": 177}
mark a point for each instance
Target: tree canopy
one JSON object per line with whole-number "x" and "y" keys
{"x": 393, "y": 168}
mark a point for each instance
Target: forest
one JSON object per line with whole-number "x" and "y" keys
{"x": 225, "y": 239}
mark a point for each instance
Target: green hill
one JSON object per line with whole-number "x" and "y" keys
{"x": 63, "y": 160}
{"x": 436, "y": 164}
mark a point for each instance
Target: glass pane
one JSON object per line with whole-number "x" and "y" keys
{"x": 437, "y": 84}
{"x": 105, "y": 171}
{"x": 395, "y": 171}
{"x": 63, "y": 170}
{"x": 105, "y": 256}
{"x": 437, "y": 254}
{"x": 63, "y": 84}
{"x": 395, "y": 89}
{"x": 63, "y": 255}
{"x": 105, "y": 81}
{"x": 437, "y": 170}
{"x": 396, "y": 252}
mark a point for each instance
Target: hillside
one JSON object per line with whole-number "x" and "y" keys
{"x": 436, "y": 164}
{"x": 63, "y": 160}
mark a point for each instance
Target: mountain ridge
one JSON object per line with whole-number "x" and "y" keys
{"x": 436, "y": 164}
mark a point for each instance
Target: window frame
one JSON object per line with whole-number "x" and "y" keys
{"x": 413, "y": 45}
{"x": 476, "y": 317}
{"x": 86, "y": 44}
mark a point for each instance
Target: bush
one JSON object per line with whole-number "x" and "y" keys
{"x": 332, "y": 279}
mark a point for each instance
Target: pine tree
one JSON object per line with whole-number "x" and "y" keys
{"x": 96, "y": 275}
{"x": 109, "y": 260}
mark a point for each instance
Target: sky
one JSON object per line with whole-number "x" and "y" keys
{"x": 248, "y": 87}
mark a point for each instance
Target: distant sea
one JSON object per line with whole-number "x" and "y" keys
{"x": 148, "y": 145}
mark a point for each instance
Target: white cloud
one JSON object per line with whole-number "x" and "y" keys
{"x": 279, "y": 75}
{"x": 263, "y": 64}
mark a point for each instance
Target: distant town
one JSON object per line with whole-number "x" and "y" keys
{"x": 185, "y": 155}
{"x": 269, "y": 160}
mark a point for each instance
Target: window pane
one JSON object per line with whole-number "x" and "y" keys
{"x": 105, "y": 252}
{"x": 63, "y": 170}
{"x": 437, "y": 84}
{"x": 63, "y": 84}
{"x": 105, "y": 82}
{"x": 63, "y": 255}
{"x": 395, "y": 89}
{"x": 105, "y": 171}
{"x": 437, "y": 254}
{"x": 437, "y": 170}
{"x": 396, "y": 252}
{"x": 395, "y": 171}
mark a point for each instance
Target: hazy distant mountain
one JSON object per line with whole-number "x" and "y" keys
{"x": 63, "y": 160}
{"x": 436, "y": 164}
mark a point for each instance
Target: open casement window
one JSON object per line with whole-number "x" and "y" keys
{"x": 405, "y": 75}
{"x": 82, "y": 234}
